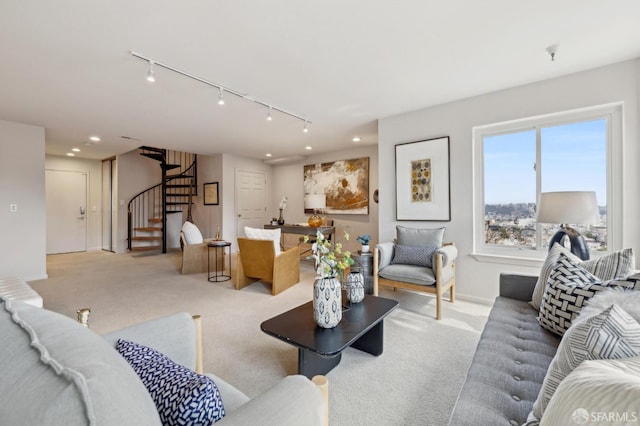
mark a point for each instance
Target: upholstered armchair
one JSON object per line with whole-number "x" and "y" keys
{"x": 195, "y": 250}
{"x": 418, "y": 260}
{"x": 258, "y": 260}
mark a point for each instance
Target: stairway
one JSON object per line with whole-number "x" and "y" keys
{"x": 148, "y": 210}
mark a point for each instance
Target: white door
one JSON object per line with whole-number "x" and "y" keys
{"x": 251, "y": 200}
{"x": 66, "y": 194}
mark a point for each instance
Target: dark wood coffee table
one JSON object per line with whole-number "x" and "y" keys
{"x": 320, "y": 349}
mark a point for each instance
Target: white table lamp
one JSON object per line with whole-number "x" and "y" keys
{"x": 315, "y": 202}
{"x": 569, "y": 207}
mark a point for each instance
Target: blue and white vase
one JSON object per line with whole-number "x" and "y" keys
{"x": 327, "y": 302}
{"x": 355, "y": 287}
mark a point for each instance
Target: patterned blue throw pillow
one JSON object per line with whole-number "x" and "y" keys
{"x": 182, "y": 396}
{"x": 409, "y": 255}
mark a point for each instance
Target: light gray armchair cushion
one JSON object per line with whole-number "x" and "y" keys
{"x": 293, "y": 401}
{"x": 449, "y": 253}
{"x": 55, "y": 371}
{"x": 172, "y": 335}
{"x": 385, "y": 254}
{"x": 418, "y": 237}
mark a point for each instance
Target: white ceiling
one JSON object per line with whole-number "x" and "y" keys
{"x": 65, "y": 65}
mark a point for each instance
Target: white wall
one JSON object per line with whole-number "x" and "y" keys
{"x": 478, "y": 280}
{"x": 288, "y": 181}
{"x": 24, "y": 234}
{"x": 208, "y": 218}
{"x": 93, "y": 169}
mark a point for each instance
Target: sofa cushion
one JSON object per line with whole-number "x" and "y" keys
{"x": 265, "y": 234}
{"x": 419, "y": 237}
{"x": 508, "y": 367}
{"x": 419, "y": 256}
{"x": 192, "y": 234}
{"x": 612, "y": 334}
{"x": 569, "y": 288}
{"x": 604, "y": 391}
{"x": 410, "y": 274}
{"x": 75, "y": 377}
{"x": 182, "y": 396}
{"x": 629, "y": 300}
{"x": 615, "y": 265}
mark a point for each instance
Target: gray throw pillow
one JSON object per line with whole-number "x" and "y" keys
{"x": 419, "y": 256}
{"x": 417, "y": 237}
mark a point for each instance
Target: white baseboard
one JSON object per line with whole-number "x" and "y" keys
{"x": 474, "y": 299}
{"x": 35, "y": 277}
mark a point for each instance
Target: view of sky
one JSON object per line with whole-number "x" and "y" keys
{"x": 573, "y": 158}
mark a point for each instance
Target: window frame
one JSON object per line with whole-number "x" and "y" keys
{"x": 612, "y": 114}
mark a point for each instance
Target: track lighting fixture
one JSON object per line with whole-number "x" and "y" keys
{"x": 151, "y": 77}
{"x": 151, "y": 74}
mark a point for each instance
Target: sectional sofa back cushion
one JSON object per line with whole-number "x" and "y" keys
{"x": 55, "y": 371}
{"x": 569, "y": 289}
{"x": 619, "y": 264}
{"x": 612, "y": 334}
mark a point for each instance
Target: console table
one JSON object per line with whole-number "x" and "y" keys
{"x": 307, "y": 230}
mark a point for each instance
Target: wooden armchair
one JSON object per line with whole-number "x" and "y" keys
{"x": 437, "y": 279}
{"x": 257, "y": 261}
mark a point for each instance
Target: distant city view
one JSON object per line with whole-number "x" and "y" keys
{"x": 514, "y": 224}
{"x": 520, "y": 164}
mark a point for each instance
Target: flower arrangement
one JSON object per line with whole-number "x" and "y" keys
{"x": 364, "y": 239}
{"x": 283, "y": 203}
{"x": 327, "y": 262}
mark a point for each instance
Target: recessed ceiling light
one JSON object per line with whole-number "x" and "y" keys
{"x": 308, "y": 148}
{"x": 95, "y": 138}
{"x": 356, "y": 139}
{"x": 70, "y": 154}
{"x": 75, "y": 149}
{"x": 268, "y": 154}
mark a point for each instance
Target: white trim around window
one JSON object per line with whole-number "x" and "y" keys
{"x": 534, "y": 257}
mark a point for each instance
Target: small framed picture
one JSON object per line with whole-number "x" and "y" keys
{"x": 211, "y": 194}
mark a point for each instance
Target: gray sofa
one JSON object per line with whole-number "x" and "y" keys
{"x": 510, "y": 362}
{"x": 57, "y": 372}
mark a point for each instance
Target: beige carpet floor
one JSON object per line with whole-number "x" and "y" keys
{"x": 414, "y": 382}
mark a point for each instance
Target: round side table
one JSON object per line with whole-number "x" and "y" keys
{"x": 218, "y": 276}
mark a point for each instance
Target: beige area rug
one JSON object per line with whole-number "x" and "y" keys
{"x": 414, "y": 382}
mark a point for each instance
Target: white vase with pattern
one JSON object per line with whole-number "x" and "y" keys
{"x": 327, "y": 302}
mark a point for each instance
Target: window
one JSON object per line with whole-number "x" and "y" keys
{"x": 516, "y": 161}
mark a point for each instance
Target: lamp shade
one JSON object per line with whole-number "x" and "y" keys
{"x": 315, "y": 201}
{"x": 568, "y": 207}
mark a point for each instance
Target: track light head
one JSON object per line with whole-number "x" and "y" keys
{"x": 151, "y": 74}
{"x": 269, "y": 117}
{"x": 306, "y": 129}
{"x": 221, "y": 97}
